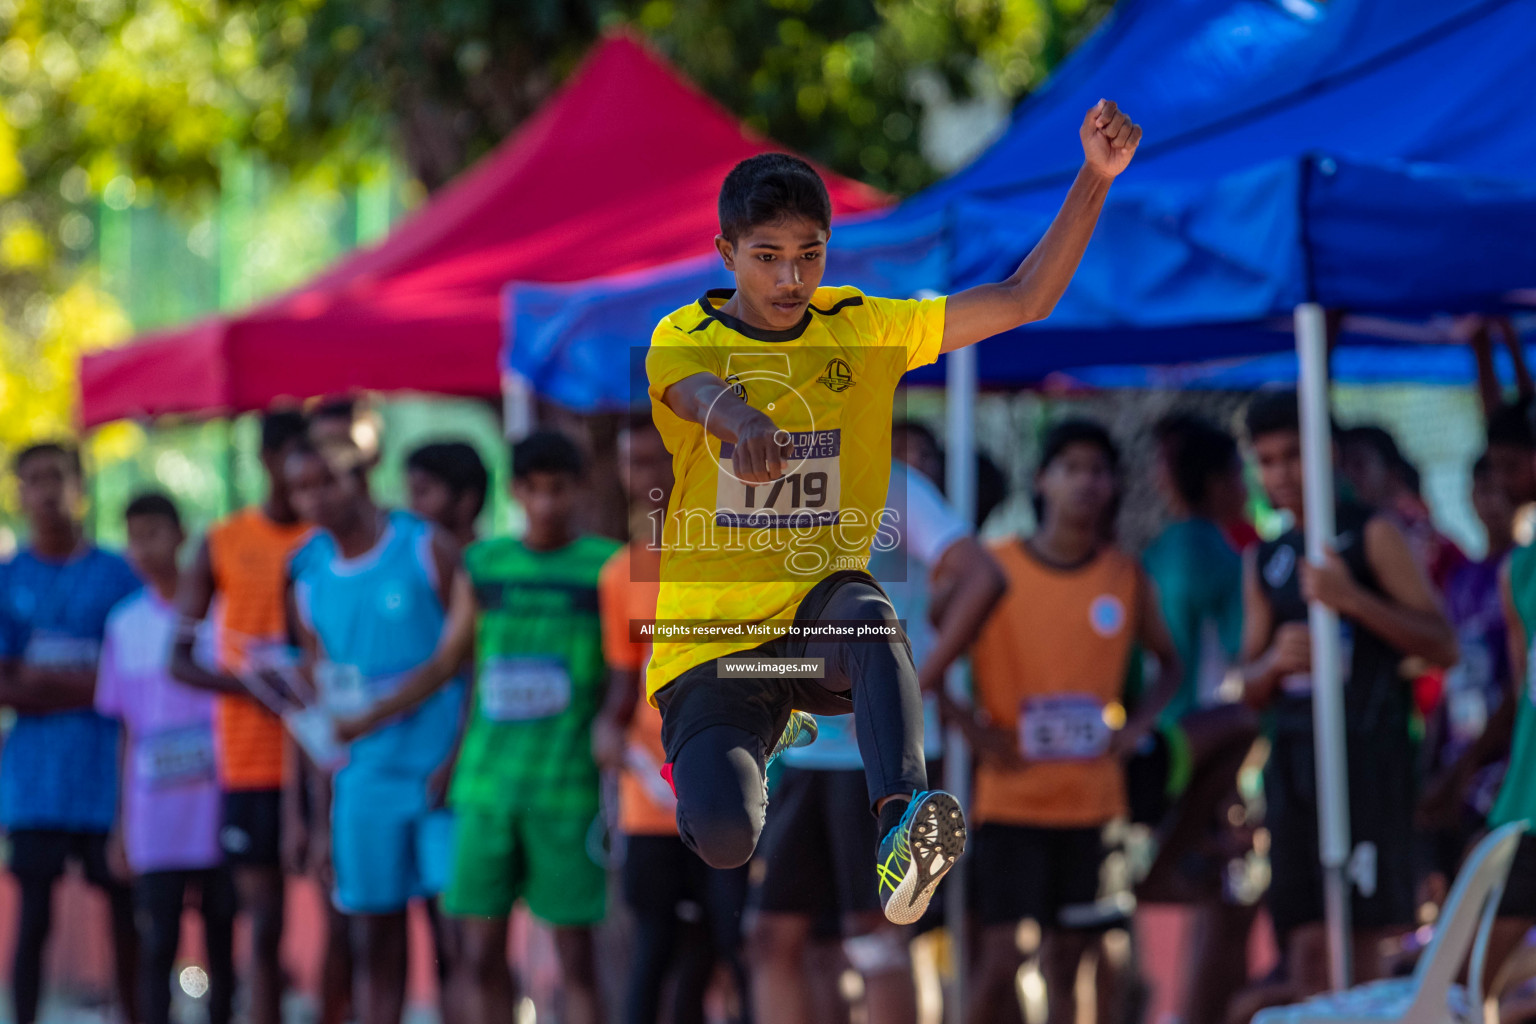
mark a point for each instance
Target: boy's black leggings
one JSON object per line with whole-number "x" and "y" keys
{"x": 718, "y": 731}
{"x": 159, "y": 897}
{"x": 39, "y": 858}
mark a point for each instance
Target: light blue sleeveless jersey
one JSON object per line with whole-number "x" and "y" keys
{"x": 381, "y": 614}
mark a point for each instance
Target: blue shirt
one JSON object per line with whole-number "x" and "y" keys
{"x": 59, "y": 770}
{"x": 378, "y": 617}
{"x": 919, "y": 528}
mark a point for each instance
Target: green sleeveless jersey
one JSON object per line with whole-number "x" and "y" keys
{"x": 1517, "y": 796}
{"x": 539, "y": 677}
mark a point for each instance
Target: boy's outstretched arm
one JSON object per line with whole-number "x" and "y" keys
{"x": 1109, "y": 139}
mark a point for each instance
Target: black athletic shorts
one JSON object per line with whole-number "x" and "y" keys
{"x": 1381, "y": 804}
{"x": 1520, "y": 891}
{"x": 1146, "y": 780}
{"x": 41, "y": 855}
{"x": 251, "y": 832}
{"x": 1158, "y": 773}
{"x": 1024, "y": 871}
{"x": 819, "y": 846}
{"x": 698, "y": 699}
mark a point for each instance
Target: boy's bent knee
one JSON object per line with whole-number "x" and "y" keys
{"x": 721, "y": 798}
{"x": 722, "y": 841}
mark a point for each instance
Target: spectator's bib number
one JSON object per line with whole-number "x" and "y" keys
{"x": 523, "y": 689}
{"x": 808, "y": 495}
{"x": 343, "y": 691}
{"x": 1068, "y": 727}
{"x": 1466, "y": 713}
{"x": 176, "y": 757}
{"x": 1467, "y": 690}
{"x": 53, "y": 650}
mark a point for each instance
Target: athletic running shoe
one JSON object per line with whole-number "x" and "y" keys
{"x": 799, "y": 731}
{"x": 917, "y": 853}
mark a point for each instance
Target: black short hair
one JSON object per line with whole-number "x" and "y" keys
{"x": 766, "y": 188}
{"x": 546, "y": 451}
{"x": 281, "y": 427}
{"x": 917, "y": 428}
{"x": 637, "y": 420}
{"x": 153, "y": 503}
{"x": 68, "y": 453}
{"x": 1380, "y": 440}
{"x": 1077, "y": 430}
{"x": 1197, "y": 451}
{"x": 456, "y": 465}
{"x": 1511, "y": 426}
{"x": 1376, "y": 439}
{"x": 1272, "y": 412}
{"x": 344, "y": 408}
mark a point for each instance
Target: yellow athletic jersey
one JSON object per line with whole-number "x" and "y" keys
{"x": 737, "y": 553}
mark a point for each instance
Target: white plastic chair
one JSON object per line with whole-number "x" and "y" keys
{"x": 1430, "y": 995}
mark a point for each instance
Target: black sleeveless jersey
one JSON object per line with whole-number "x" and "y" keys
{"x": 1377, "y": 700}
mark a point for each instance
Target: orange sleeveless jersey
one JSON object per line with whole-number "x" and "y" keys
{"x": 249, "y": 555}
{"x": 623, "y": 598}
{"x": 1056, "y": 632}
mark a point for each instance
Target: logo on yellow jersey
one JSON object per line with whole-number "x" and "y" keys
{"x": 838, "y": 376}
{"x": 737, "y": 387}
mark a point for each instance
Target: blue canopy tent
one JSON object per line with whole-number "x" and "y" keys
{"x": 1222, "y": 88}
{"x": 1222, "y": 84}
{"x": 1427, "y": 365}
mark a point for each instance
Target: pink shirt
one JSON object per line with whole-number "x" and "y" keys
{"x": 170, "y": 801}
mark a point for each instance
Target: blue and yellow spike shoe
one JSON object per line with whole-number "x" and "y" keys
{"x": 918, "y": 853}
{"x": 799, "y": 731}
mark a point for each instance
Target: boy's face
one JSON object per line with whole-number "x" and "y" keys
{"x": 431, "y": 499}
{"x": 274, "y": 462}
{"x": 1513, "y": 469}
{"x": 153, "y": 541}
{"x": 1367, "y": 472}
{"x": 50, "y": 491}
{"x": 1279, "y": 457}
{"x": 645, "y": 467}
{"x": 1229, "y": 494}
{"x": 778, "y": 268}
{"x": 1494, "y": 508}
{"x": 917, "y": 451}
{"x": 320, "y": 495}
{"x": 1079, "y": 484}
{"x": 548, "y": 500}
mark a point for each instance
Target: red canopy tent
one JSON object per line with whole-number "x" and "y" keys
{"x": 619, "y": 171}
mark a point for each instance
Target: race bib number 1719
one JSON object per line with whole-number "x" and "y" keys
{"x": 808, "y": 495}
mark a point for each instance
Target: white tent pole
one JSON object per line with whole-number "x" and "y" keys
{"x": 1327, "y": 676}
{"x": 960, "y": 473}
